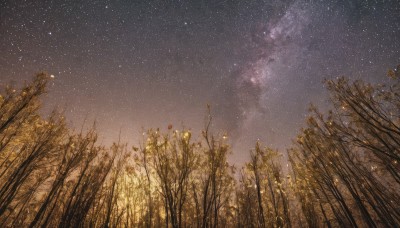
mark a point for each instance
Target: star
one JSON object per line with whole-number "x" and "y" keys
{"x": 141, "y": 64}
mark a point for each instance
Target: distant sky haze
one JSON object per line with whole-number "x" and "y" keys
{"x": 133, "y": 65}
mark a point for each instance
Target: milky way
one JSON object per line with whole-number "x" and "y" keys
{"x": 133, "y": 65}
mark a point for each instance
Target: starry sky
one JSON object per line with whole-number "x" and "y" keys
{"x": 133, "y": 65}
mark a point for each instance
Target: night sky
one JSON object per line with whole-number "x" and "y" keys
{"x": 145, "y": 64}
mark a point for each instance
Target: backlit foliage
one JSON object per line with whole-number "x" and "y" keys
{"x": 344, "y": 170}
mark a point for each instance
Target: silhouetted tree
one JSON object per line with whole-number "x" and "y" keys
{"x": 264, "y": 188}
{"x": 213, "y": 185}
{"x": 344, "y": 170}
{"x": 348, "y": 160}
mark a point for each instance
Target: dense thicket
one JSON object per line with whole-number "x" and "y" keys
{"x": 344, "y": 170}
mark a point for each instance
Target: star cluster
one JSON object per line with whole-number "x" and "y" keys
{"x": 141, "y": 64}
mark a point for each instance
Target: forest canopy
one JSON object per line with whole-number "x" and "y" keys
{"x": 344, "y": 169}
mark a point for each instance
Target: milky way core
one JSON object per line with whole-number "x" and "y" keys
{"x": 134, "y": 65}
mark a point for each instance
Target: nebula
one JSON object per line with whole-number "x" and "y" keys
{"x": 134, "y": 65}
{"x": 276, "y": 40}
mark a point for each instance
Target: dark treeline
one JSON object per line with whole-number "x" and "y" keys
{"x": 343, "y": 170}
